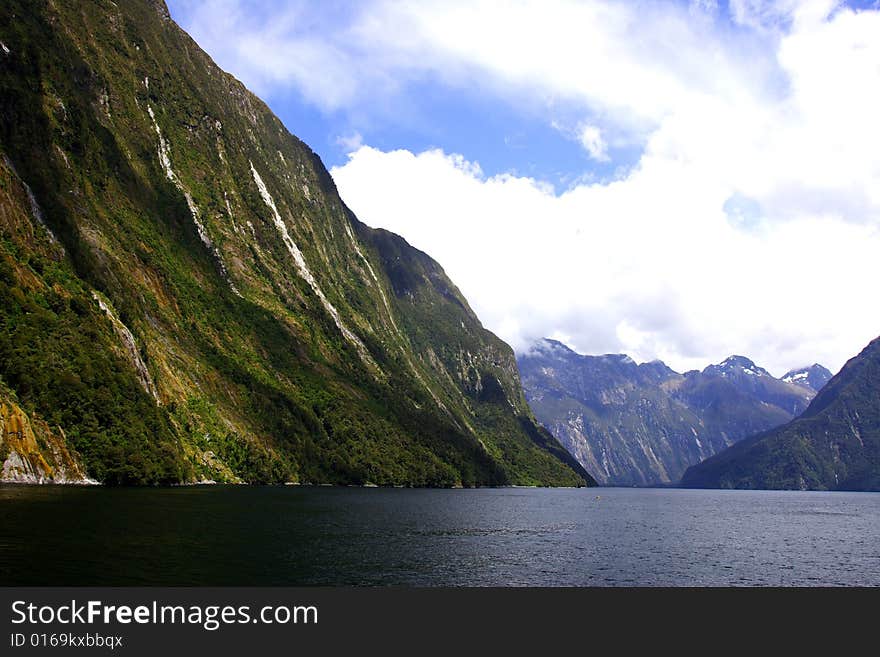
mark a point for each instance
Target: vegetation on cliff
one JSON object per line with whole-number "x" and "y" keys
{"x": 185, "y": 295}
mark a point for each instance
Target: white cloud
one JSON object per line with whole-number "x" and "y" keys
{"x": 289, "y": 46}
{"x": 748, "y": 225}
{"x": 588, "y": 136}
{"x": 591, "y": 139}
{"x": 631, "y": 63}
{"x": 647, "y": 265}
{"x": 778, "y": 15}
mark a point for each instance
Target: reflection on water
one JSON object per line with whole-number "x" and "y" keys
{"x": 240, "y": 535}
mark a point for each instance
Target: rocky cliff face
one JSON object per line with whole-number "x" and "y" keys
{"x": 32, "y": 452}
{"x": 186, "y": 296}
{"x": 833, "y": 445}
{"x": 644, "y": 424}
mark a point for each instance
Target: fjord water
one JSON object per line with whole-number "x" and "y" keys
{"x": 238, "y": 535}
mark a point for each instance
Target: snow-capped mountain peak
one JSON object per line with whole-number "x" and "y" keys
{"x": 815, "y": 376}
{"x": 733, "y": 365}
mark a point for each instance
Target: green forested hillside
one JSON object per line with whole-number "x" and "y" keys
{"x": 185, "y": 297}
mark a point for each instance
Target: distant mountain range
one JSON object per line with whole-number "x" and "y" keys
{"x": 643, "y": 424}
{"x": 833, "y": 445}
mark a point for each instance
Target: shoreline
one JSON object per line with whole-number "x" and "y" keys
{"x": 207, "y": 484}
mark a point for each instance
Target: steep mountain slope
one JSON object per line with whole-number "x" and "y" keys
{"x": 815, "y": 376}
{"x": 633, "y": 424}
{"x": 185, "y": 297}
{"x": 833, "y": 445}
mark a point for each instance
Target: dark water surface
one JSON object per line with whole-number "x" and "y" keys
{"x": 239, "y": 535}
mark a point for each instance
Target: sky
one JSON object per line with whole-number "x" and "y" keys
{"x": 671, "y": 180}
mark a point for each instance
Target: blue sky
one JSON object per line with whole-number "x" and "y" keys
{"x": 501, "y": 138}
{"x": 536, "y": 138}
{"x": 675, "y": 180}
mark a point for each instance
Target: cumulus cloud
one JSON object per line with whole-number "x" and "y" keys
{"x": 278, "y": 46}
{"x": 631, "y": 63}
{"x": 649, "y": 265}
{"x": 749, "y": 222}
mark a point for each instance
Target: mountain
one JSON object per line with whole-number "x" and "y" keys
{"x": 641, "y": 424}
{"x": 833, "y": 445}
{"x": 737, "y": 398}
{"x": 815, "y": 376}
{"x": 184, "y": 297}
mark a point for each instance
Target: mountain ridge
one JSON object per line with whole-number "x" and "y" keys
{"x": 814, "y": 376}
{"x": 186, "y": 296}
{"x": 644, "y": 424}
{"x": 833, "y": 445}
